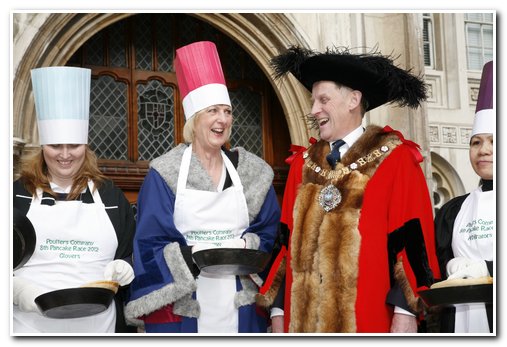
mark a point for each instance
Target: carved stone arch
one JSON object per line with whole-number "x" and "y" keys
{"x": 446, "y": 181}
{"x": 59, "y": 35}
{"x": 57, "y": 39}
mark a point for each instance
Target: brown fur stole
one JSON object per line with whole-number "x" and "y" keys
{"x": 415, "y": 303}
{"x": 268, "y": 298}
{"x": 325, "y": 245}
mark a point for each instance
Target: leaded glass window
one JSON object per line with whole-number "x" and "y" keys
{"x": 247, "y": 125}
{"x": 165, "y": 55}
{"x": 135, "y": 114}
{"x": 108, "y": 118}
{"x": 136, "y": 111}
{"x": 155, "y": 119}
{"x": 94, "y": 50}
{"x": 117, "y": 42}
{"x": 143, "y": 43}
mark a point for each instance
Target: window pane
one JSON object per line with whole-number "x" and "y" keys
{"x": 488, "y": 55}
{"x": 108, "y": 118}
{"x": 479, "y": 36}
{"x": 428, "y": 41}
{"x": 487, "y": 36}
{"x": 247, "y": 129}
{"x": 142, "y": 39}
{"x": 117, "y": 45}
{"x": 165, "y": 42}
{"x": 155, "y": 119}
{"x": 94, "y": 49}
{"x": 187, "y": 30}
{"x": 427, "y": 54}
{"x": 426, "y": 23}
{"x": 474, "y": 34}
{"x": 474, "y": 59}
{"x": 476, "y": 17}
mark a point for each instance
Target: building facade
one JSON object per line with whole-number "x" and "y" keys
{"x": 135, "y": 111}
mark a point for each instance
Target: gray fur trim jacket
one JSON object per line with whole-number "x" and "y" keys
{"x": 256, "y": 177}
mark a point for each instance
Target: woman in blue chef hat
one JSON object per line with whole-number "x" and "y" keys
{"x": 83, "y": 223}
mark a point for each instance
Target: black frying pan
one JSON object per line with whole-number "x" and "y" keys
{"x": 23, "y": 239}
{"x": 447, "y": 296}
{"x": 231, "y": 261}
{"x": 74, "y": 302}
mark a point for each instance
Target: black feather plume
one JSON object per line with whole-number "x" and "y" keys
{"x": 404, "y": 88}
{"x": 290, "y": 61}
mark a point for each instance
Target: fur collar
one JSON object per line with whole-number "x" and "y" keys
{"x": 255, "y": 174}
{"x": 373, "y": 138}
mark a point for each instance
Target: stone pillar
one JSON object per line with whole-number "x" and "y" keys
{"x": 17, "y": 151}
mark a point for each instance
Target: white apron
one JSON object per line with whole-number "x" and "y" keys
{"x": 75, "y": 242}
{"x": 473, "y": 237}
{"x": 212, "y": 217}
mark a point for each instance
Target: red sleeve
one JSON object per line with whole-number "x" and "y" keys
{"x": 291, "y": 188}
{"x": 411, "y": 200}
{"x": 396, "y": 202}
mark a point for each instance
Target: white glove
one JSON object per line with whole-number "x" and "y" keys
{"x": 236, "y": 243}
{"x": 461, "y": 267}
{"x": 24, "y": 293}
{"x": 202, "y": 246}
{"x": 120, "y": 271}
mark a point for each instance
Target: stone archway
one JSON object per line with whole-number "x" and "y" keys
{"x": 51, "y": 39}
{"x": 446, "y": 181}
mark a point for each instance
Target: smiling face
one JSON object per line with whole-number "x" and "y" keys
{"x": 63, "y": 162}
{"x": 213, "y": 127}
{"x": 336, "y": 109}
{"x": 481, "y": 155}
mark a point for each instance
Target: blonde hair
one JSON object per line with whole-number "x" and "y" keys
{"x": 34, "y": 174}
{"x": 189, "y": 127}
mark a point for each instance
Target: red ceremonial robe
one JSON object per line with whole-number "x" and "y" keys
{"x": 395, "y": 221}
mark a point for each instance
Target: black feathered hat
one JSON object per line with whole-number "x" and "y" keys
{"x": 373, "y": 74}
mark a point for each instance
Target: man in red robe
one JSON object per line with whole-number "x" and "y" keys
{"x": 356, "y": 203}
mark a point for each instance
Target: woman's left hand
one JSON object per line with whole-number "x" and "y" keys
{"x": 120, "y": 271}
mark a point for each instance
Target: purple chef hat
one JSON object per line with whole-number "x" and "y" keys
{"x": 484, "y": 122}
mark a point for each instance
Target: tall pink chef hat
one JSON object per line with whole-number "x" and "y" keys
{"x": 484, "y": 122}
{"x": 200, "y": 77}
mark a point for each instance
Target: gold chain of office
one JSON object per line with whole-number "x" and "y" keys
{"x": 345, "y": 170}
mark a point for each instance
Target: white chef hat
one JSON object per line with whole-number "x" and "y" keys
{"x": 484, "y": 121}
{"x": 62, "y": 104}
{"x": 200, "y": 77}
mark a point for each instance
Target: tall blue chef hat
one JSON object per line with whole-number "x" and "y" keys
{"x": 62, "y": 104}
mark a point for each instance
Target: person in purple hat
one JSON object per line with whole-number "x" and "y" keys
{"x": 465, "y": 227}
